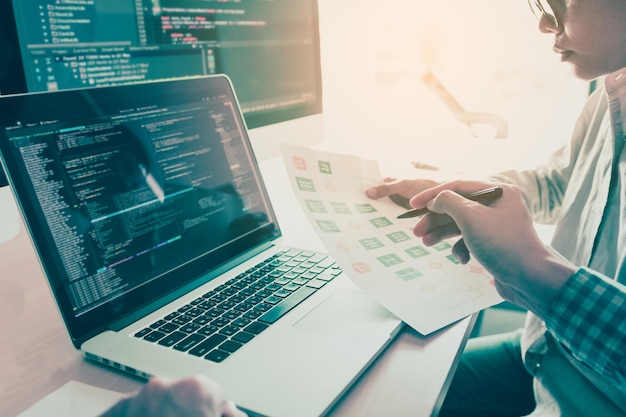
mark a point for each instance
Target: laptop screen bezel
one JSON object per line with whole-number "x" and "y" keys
{"x": 191, "y": 274}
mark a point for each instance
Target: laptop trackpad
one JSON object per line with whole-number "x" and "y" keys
{"x": 349, "y": 315}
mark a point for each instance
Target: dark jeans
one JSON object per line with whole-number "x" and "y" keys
{"x": 491, "y": 380}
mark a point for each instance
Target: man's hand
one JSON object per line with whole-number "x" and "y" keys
{"x": 190, "y": 397}
{"x": 500, "y": 235}
{"x": 400, "y": 191}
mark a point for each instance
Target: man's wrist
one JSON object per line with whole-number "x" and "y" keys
{"x": 549, "y": 277}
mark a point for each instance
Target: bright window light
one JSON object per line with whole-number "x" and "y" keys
{"x": 488, "y": 56}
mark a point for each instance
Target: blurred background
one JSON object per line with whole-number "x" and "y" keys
{"x": 489, "y": 55}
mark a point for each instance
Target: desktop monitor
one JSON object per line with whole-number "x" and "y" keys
{"x": 269, "y": 48}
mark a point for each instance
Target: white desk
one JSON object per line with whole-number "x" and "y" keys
{"x": 36, "y": 356}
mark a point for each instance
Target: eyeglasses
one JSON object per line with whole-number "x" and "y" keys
{"x": 543, "y": 8}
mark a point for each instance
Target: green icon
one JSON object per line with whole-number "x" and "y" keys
{"x": 453, "y": 259}
{"x": 390, "y": 260}
{"x": 442, "y": 246}
{"x": 409, "y": 274}
{"x": 381, "y": 222}
{"x": 305, "y": 184}
{"x": 328, "y": 226}
{"x": 365, "y": 208}
{"x": 417, "y": 252}
{"x": 315, "y": 206}
{"x": 398, "y": 237}
{"x": 371, "y": 243}
{"x": 340, "y": 208}
{"x": 325, "y": 167}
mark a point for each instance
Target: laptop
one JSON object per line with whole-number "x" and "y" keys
{"x": 154, "y": 229}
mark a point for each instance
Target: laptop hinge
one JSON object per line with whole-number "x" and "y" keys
{"x": 136, "y": 315}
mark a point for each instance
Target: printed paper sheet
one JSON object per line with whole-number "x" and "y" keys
{"x": 426, "y": 287}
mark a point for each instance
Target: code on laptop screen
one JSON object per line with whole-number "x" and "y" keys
{"x": 130, "y": 189}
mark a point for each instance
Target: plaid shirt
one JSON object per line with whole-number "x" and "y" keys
{"x": 590, "y": 304}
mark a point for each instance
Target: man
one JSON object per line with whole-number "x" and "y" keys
{"x": 570, "y": 359}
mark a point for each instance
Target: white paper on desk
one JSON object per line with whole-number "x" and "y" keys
{"x": 425, "y": 287}
{"x": 74, "y": 399}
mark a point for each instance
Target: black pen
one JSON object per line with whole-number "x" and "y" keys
{"x": 488, "y": 194}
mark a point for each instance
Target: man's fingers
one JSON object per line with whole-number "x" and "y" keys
{"x": 461, "y": 252}
{"x": 229, "y": 409}
{"x": 434, "y": 228}
{"x": 381, "y": 191}
{"x": 449, "y": 202}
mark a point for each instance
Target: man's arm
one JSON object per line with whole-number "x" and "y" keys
{"x": 588, "y": 317}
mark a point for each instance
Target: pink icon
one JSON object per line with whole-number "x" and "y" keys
{"x": 299, "y": 163}
{"x": 361, "y": 267}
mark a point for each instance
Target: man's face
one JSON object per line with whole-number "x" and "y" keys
{"x": 591, "y": 35}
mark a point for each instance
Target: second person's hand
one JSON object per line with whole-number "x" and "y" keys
{"x": 196, "y": 396}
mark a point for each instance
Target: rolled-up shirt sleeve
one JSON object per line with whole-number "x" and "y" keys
{"x": 588, "y": 317}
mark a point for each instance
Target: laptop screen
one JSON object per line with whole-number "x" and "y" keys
{"x": 132, "y": 192}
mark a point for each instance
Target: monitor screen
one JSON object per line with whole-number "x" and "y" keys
{"x": 269, "y": 48}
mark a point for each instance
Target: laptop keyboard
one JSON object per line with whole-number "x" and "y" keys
{"x": 221, "y": 321}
